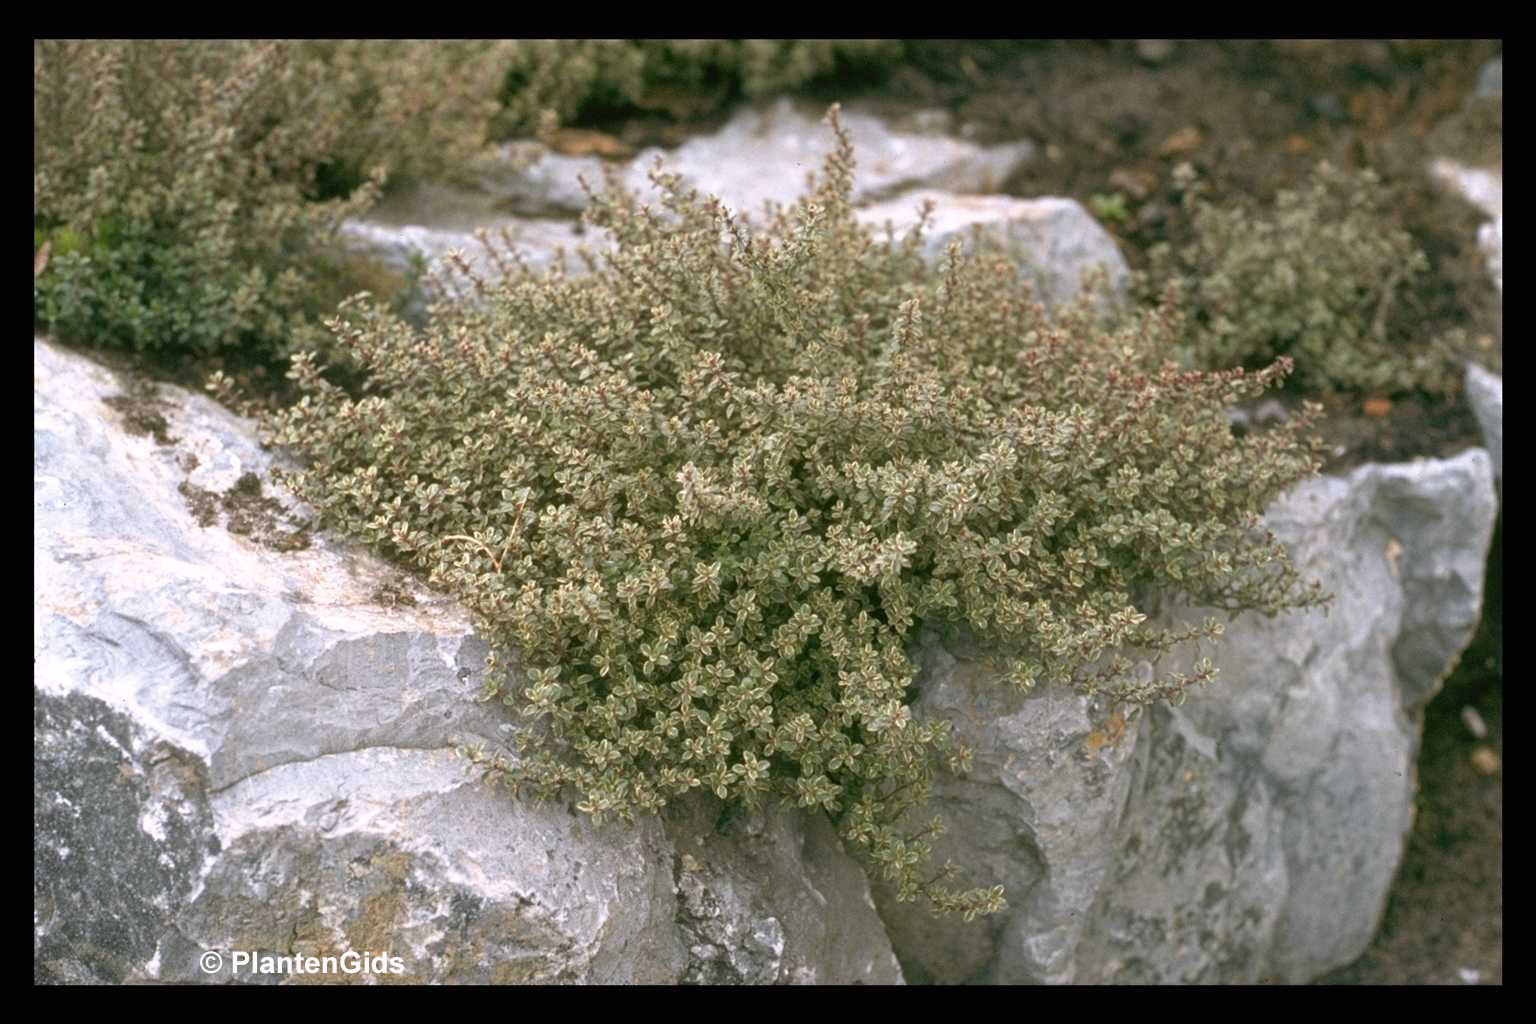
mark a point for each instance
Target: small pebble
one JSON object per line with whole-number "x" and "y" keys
{"x": 1474, "y": 722}
{"x": 1490, "y": 81}
{"x": 1154, "y": 51}
{"x": 1470, "y": 975}
{"x": 1153, "y": 214}
{"x": 929, "y": 122}
{"x": 1137, "y": 184}
{"x": 1326, "y": 106}
{"x": 1376, "y": 56}
{"x": 1185, "y": 140}
{"x": 1485, "y": 760}
{"x": 1270, "y": 411}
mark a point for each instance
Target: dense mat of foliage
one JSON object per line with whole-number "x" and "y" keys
{"x": 184, "y": 191}
{"x": 1320, "y": 277}
{"x": 572, "y": 77}
{"x": 702, "y": 497}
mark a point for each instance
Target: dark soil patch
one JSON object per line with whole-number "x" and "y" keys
{"x": 1396, "y": 430}
{"x": 392, "y": 594}
{"x": 141, "y": 408}
{"x": 247, "y": 513}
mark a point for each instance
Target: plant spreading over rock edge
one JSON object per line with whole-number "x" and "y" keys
{"x": 700, "y": 499}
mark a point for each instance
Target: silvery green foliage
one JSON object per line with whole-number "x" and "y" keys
{"x": 563, "y": 76}
{"x": 185, "y": 191}
{"x": 709, "y": 491}
{"x": 1320, "y": 277}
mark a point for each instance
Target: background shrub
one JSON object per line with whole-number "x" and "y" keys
{"x": 592, "y": 77}
{"x": 1321, "y": 277}
{"x": 186, "y": 190}
{"x": 423, "y": 109}
{"x": 700, "y": 500}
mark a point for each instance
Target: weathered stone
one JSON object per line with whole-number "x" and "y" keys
{"x": 537, "y": 182}
{"x": 1251, "y": 834}
{"x": 427, "y": 222}
{"x": 1055, "y": 241}
{"x": 1045, "y": 791}
{"x": 1484, "y": 188}
{"x": 772, "y": 897}
{"x": 241, "y": 748}
{"x": 1485, "y": 391}
{"x": 764, "y": 154}
{"x": 1490, "y": 80}
{"x": 1154, "y": 51}
{"x": 1490, "y": 239}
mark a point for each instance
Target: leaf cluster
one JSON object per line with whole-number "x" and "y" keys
{"x": 1321, "y": 277}
{"x": 186, "y": 190}
{"x": 701, "y": 498}
{"x": 683, "y": 77}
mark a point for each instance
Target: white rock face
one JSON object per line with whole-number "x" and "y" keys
{"x": 1251, "y": 834}
{"x": 245, "y": 749}
{"x": 1490, "y": 80}
{"x": 431, "y": 220}
{"x": 764, "y": 154}
{"x": 1484, "y": 188}
{"x": 1055, "y": 241}
{"x": 760, "y": 155}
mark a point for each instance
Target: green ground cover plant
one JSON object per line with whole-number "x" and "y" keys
{"x": 575, "y": 78}
{"x": 1321, "y": 277}
{"x": 700, "y": 499}
{"x": 185, "y": 192}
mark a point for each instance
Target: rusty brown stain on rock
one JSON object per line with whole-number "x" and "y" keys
{"x": 1107, "y": 735}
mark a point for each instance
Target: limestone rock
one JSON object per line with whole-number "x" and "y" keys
{"x": 239, "y": 748}
{"x": 1155, "y": 51}
{"x": 764, "y": 154}
{"x": 1490, "y": 80}
{"x": 428, "y": 221}
{"x": 1484, "y": 188}
{"x": 1055, "y": 240}
{"x": 537, "y": 182}
{"x": 1486, "y": 393}
{"x": 1251, "y": 834}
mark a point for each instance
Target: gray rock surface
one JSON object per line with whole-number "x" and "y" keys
{"x": 1490, "y": 239}
{"x": 759, "y": 155}
{"x": 1054, "y": 240}
{"x": 1251, "y": 834}
{"x": 430, "y": 220}
{"x": 764, "y": 154}
{"x": 1490, "y": 80}
{"x": 1484, "y": 188}
{"x": 1485, "y": 391}
{"x": 242, "y": 748}
{"x": 531, "y": 180}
